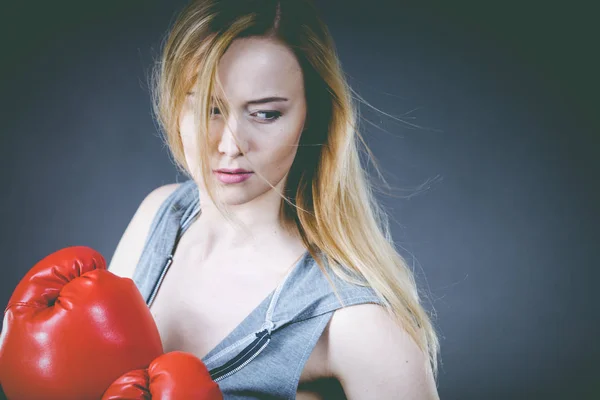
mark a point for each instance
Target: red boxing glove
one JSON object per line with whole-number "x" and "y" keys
{"x": 172, "y": 376}
{"x": 71, "y": 328}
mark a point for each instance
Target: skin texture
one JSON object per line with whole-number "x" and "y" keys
{"x": 375, "y": 358}
{"x": 251, "y": 69}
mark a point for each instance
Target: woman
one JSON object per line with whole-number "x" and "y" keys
{"x": 273, "y": 262}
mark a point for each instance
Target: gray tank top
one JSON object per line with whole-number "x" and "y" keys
{"x": 264, "y": 356}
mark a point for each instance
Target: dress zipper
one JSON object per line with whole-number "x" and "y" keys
{"x": 241, "y": 360}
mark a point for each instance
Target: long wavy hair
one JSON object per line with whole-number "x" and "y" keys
{"x": 329, "y": 196}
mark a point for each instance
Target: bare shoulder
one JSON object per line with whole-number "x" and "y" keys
{"x": 129, "y": 249}
{"x": 375, "y": 358}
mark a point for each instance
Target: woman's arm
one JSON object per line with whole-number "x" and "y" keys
{"x": 374, "y": 358}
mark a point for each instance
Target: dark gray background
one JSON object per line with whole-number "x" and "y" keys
{"x": 501, "y": 233}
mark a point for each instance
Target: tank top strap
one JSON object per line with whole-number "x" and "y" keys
{"x": 277, "y": 339}
{"x": 307, "y": 293}
{"x": 303, "y": 302}
{"x": 171, "y": 220}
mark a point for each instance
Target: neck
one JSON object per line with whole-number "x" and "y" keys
{"x": 259, "y": 217}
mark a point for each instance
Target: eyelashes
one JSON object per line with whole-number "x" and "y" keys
{"x": 263, "y": 116}
{"x": 274, "y": 115}
{"x": 269, "y": 115}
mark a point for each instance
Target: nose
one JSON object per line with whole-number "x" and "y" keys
{"x": 227, "y": 144}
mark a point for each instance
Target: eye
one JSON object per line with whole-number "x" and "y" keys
{"x": 268, "y": 116}
{"x": 215, "y": 111}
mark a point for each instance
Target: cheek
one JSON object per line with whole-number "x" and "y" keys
{"x": 186, "y": 125}
{"x": 282, "y": 155}
{"x": 189, "y": 140}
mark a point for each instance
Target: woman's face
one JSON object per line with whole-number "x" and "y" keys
{"x": 263, "y": 82}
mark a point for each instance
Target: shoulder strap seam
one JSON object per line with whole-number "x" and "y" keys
{"x": 156, "y": 223}
{"x": 327, "y": 308}
{"x": 168, "y": 202}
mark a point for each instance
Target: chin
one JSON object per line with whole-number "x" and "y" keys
{"x": 234, "y": 195}
{"x": 239, "y": 198}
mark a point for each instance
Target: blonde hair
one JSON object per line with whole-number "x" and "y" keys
{"x": 329, "y": 197}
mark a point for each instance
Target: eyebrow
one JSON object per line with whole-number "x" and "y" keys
{"x": 270, "y": 99}
{"x": 266, "y": 100}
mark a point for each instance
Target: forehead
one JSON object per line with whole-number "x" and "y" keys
{"x": 257, "y": 67}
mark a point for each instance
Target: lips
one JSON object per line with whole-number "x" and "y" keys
{"x": 230, "y": 178}
{"x": 233, "y": 171}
